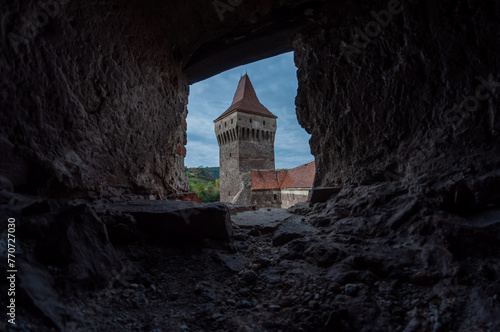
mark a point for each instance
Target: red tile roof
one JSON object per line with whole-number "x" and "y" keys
{"x": 299, "y": 177}
{"x": 245, "y": 99}
{"x": 264, "y": 179}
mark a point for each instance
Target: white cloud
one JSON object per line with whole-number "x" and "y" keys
{"x": 201, "y": 154}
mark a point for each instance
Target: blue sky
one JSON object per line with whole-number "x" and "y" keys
{"x": 275, "y": 82}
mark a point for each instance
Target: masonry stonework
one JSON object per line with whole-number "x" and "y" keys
{"x": 245, "y": 133}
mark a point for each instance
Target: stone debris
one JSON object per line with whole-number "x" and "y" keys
{"x": 292, "y": 228}
{"x": 235, "y": 263}
{"x": 38, "y": 285}
{"x": 435, "y": 272}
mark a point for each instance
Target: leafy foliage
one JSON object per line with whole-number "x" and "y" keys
{"x": 203, "y": 182}
{"x": 214, "y": 171}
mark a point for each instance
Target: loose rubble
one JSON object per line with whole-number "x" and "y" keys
{"x": 388, "y": 262}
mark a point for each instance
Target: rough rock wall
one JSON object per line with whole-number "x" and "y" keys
{"x": 91, "y": 104}
{"x": 379, "y": 98}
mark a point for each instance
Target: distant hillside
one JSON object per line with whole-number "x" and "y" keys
{"x": 203, "y": 173}
{"x": 214, "y": 171}
{"x": 205, "y": 182}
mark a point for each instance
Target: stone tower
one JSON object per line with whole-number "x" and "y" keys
{"x": 245, "y": 133}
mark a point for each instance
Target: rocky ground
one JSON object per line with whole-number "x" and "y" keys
{"x": 371, "y": 259}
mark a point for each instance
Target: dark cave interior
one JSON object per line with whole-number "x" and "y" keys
{"x": 401, "y": 100}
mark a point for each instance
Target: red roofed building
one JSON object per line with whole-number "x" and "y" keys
{"x": 245, "y": 133}
{"x": 284, "y": 188}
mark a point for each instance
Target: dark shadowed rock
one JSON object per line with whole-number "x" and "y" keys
{"x": 75, "y": 239}
{"x": 38, "y": 286}
{"x": 122, "y": 228}
{"x": 262, "y": 218}
{"x": 322, "y": 194}
{"x": 403, "y": 213}
{"x": 176, "y": 219}
{"x": 337, "y": 321}
{"x": 302, "y": 208}
{"x": 292, "y": 228}
{"x": 235, "y": 263}
{"x": 324, "y": 254}
{"x": 93, "y": 104}
{"x": 294, "y": 249}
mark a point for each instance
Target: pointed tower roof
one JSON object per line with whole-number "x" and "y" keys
{"x": 245, "y": 99}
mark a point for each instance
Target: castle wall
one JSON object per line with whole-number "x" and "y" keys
{"x": 290, "y": 197}
{"x": 244, "y": 195}
{"x": 283, "y": 198}
{"x": 230, "y": 180}
{"x": 257, "y": 142}
{"x": 246, "y": 141}
{"x": 266, "y": 198}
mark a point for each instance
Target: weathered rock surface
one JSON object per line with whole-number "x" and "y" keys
{"x": 100, "y": 119}
{"x": 403, "y": 116}
{"x": 322, "y": 194}
{"x": 84, "y": 111}
{"x": 436, "y": 271}
{"x": 37, "y": 284}
{"x": 292, "y": 228}
{"x": 262, "y": 221}
{"x": 61, "y": 248}
{"x": 167, "y": 220}
{"x": 235, "y": 263}
{"x": 69, "y": 237}
{"x": 380, "y": 105}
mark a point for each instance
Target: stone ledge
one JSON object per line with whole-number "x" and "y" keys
{"x": 176, "y": 219}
